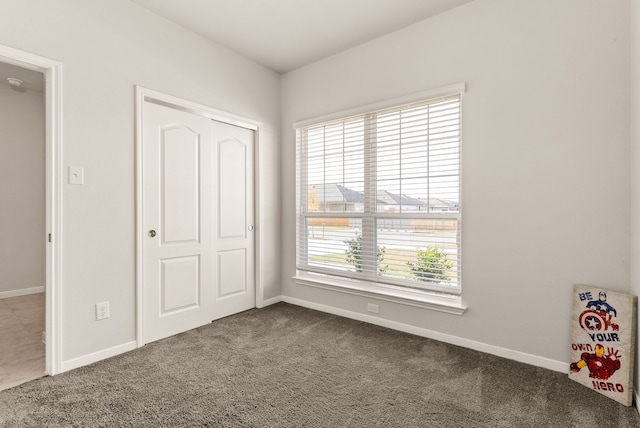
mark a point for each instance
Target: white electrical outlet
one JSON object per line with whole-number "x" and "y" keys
{"x": 102, "y": 311}
{"x": 373, "y": 308}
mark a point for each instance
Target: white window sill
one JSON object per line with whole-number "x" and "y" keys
{"x": 450, "y": 304}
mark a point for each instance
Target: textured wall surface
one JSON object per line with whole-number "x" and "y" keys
{"x": 22, "y": 189}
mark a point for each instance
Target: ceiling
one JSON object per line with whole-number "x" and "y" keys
{"x": 33, "y": 80}
{"x": 287, "y": 34}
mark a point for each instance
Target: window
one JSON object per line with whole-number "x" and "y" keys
{"x": 378, "y": 196}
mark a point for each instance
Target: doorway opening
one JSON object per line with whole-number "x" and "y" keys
{"x": 30, "y": 144}
{"x": 23, "y": 225}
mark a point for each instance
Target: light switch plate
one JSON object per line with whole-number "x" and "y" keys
{"x": 76, "y": 175}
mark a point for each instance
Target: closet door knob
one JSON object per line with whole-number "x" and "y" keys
{"x": 152, "y": 233}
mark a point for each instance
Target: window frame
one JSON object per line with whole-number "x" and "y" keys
{"x": 368, "y": 280}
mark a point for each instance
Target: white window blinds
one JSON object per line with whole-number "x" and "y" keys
{"x": 378, "y": 196}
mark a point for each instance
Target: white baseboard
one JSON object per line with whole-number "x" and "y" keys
{"x": 98, "y": 356}
{"x": 535, "y": 360}
{"x": 271, "y": 301}
{"x": 120, "y": 349}
{"x": 21, "y": 292}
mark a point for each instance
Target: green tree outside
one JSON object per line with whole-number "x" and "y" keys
{"x": 431, "y": 265}
{"x": 354, "y": 254}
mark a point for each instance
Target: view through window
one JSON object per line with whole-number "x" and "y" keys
{"x": 378, "y": 196}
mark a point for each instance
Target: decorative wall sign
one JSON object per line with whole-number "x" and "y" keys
{"x": 603, "y": 341}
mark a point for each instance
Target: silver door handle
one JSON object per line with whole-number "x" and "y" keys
{"x": 250, "y": 227}
{"x": 152, "y": 233}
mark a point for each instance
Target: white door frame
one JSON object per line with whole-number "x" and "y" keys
{"x": 53, "y": 156}
{"x": 147, "y": 95}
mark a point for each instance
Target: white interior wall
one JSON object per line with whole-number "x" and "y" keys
{"x": 106, "y": 47}
{"x": 635, "y": 168}
{"x": 22, "y": 191}
{"x": 545, "y": 175}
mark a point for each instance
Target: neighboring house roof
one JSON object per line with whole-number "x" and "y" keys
{"x": 333, "y": 193}
{"x": 351, "y": 195}
{"x": 395, "y": 199}
{"x": 336, "y": 194}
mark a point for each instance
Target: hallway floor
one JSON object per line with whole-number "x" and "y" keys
{"x": 22, "y": 353}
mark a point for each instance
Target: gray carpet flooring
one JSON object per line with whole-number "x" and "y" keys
{"x": 286, "y": 366}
